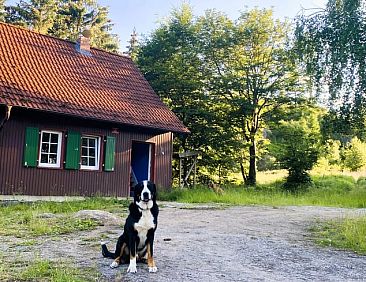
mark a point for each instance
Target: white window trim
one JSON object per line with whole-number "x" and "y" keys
{"x": 97, "y": 156}
{"x": 59, "y": 145}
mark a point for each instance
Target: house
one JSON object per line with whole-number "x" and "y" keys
{"x": 76, "y": 120}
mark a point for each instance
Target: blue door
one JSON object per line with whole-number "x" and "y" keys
{"x": 141, "y": 161}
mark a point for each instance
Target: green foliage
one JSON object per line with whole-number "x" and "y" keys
{"x": 65, "y": 19}
{"x": 2, "y": 10}
{"x": 354, "y": 155}
{"x": 295, "y": 143}
{"x": 37, "y": 15}
{"x": 331, "y": 45}
{"x": 221, "y": 77}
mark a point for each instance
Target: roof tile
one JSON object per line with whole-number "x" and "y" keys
{"x": 46, "y": 73}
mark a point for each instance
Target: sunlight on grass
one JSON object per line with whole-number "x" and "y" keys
{"x": 349, "y": 233}
{"x": 43, "y": 270}
{"x": 26, "y": 219}
{"x": 337, "y": 191}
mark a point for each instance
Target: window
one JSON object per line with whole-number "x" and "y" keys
{"x": 50, "y": 149}
{"x": 90, "y": 152}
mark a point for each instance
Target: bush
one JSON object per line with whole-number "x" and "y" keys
{"x": 334, "y": 183}
{"x": 354, "y": 155}
{"x": 361, "y": 181}
{"x": 297, "y": 149}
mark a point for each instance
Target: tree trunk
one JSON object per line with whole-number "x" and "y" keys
{"x": 252, "y": 177}
{"x": 243, "y": 174}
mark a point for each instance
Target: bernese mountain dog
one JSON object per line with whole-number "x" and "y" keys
{"x": 137, "y": 241}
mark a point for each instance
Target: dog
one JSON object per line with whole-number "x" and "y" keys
{"x": 137, "y": 241}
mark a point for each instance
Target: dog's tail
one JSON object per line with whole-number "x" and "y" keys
{"x": 105, "y": 252}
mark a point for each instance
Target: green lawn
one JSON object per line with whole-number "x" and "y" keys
{"x": 335, "y": 191}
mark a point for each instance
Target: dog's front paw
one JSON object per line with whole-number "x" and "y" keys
{"x": 114, "y": 264}
{"x": 153, "y": 269}
{"x": 132, "y": 269}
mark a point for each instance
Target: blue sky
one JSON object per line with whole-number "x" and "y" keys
{"x": 145, "y": 15}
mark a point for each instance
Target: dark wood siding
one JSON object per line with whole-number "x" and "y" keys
{"x": 17, "y": 179}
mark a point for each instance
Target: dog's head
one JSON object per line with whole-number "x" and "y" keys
{"x": 145, "y": 194}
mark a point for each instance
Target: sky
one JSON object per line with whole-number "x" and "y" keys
{"x": 145, "y": 15}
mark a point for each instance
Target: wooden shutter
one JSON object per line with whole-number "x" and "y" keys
{"x": 73, "y": 150}
{"x": 109, "y": 157}
{"x": 31, "y": 146}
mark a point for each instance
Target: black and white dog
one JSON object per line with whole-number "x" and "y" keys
{"x": 136, "y": 242}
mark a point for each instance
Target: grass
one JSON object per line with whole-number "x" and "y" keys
{"x": 336, "y": 191}
{"x": 45, "y": 270}
{"x": 27, "y": 220}
{"x": 349, "y": 233}
{"x": 31, "y": 220}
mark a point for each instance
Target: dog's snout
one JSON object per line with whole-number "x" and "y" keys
{"x": 145, "y": 195}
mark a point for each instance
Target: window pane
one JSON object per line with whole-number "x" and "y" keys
{"x": 44, "y": 158}
{"x": 52, "y": 159}
{"x": 84, "y": 142}
{"x": 46, "y": 137}
{"x": 84, "y": 161}
{"x": 91, "y": 142}
{"x": 92, "y": 152}
{"x": 91, "y": 161}
{"x": 84, "y": 152}
{"x": 54, "y": 138}
{"x": 53, "y": 148}
{"x": 45, "y": 148}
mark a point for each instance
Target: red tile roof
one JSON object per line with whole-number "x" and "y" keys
{"x": 45, "y": 73}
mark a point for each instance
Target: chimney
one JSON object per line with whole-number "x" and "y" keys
{"x": 83, "y": 43}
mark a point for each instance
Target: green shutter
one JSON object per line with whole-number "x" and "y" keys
{"x": 109, "y": 157}
{"x": 73, "y": 150}
{"x": 31, "y": 146}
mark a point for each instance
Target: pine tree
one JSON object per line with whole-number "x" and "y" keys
{"x": 2, "y": 11}
{"x": 77, "y": 15}
{"x": 132, "y": 45}
{"x": 64, "y": 19}
{"x": 37, "y": 15}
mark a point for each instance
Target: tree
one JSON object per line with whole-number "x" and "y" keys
{"x": 2, "y": 10}
{"x": 354, "y": 155}
{"x": 65, "y": 19}
{"x": 252, "y": 69}
{"x": 171, "y": 61}
{"x": 37, "y": 15}
{"x": 132, "y": 48}
{"x": 296, "y": 141}
{"x": 331, "y": 43}
{"x": 77, "y": 15}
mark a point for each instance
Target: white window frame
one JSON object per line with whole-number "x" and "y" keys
{"x": 97, "y": 153}
{"x": 59, "y": 145}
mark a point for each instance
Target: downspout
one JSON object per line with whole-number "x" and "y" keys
{"x": 7, "y": 116}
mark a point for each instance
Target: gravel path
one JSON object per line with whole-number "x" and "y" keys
{"x": 248, "y": 243}
{"x": 212, "y": 243}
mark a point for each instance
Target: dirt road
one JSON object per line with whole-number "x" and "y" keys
{"x": 211, "y": 243}
{"x": 244, "y": 244}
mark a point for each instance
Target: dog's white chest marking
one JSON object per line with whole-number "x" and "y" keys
{"x": 145, "y": 223}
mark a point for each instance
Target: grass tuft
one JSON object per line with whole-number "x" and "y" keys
{"x": 26, "y": 219}
{"x": 349, "y": 233}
